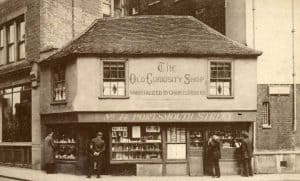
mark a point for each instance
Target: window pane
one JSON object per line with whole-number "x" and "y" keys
{"x": 2, "y": 58}
{"x": 16, "y": 115}
{"x": 21, "y": 32}
{"x": 21, "y": 50}
{"x": 11, "y": 53}
{"x": 11, "y": 34}
{"x": 106, "y": 88}
{"x": 1, "y": 37}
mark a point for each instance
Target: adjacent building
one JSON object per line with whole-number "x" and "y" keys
{"x": 29, "y": 31}
{"x": 270, "y": 26}
{"x": 157, "y": 87}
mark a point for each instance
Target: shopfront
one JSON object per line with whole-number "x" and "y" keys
{"x": 162, "y": 145}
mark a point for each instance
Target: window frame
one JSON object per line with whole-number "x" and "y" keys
{"x": 16, "y": 43}
{"x": 231, "y": 96}
{"x": 114, "y": 60}
{"x": 24, "y": 87}
{"x": 2, "y": 45}
{"x": 266, "y": 115}
{"x": 53, "y": 101}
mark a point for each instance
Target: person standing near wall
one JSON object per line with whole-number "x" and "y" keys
{"x": 215, "y": 156}
{"x": 95, "y": 154}
{"x": 246, "y": 155}
{"x": 49, "y": 153}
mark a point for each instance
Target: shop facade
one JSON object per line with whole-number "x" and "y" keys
{"x": 156, "y": 111}
{"x": 169, "y": 143}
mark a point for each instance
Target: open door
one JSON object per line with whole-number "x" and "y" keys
{"x": 196, "y": 151}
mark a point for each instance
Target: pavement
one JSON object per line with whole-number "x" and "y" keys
{"x": 13, "y": 173}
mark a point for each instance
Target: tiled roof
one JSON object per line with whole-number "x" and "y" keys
{"x": 154, "y": 36}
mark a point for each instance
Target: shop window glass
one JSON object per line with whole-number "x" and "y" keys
{"x": 266, "y": 115}
{"x": 220, "y": 79}
{"x": 66, "y": 142}
{"x": 114, "y": 80}
{"x": 59, "y": 83}
{"x": 16, "y": 114}
{"x": 176, "y": 143}
{"x": 136, "y": 143}
{"x": 2, "y": 55}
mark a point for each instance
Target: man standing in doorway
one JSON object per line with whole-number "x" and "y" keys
{"x": 246, "y": 155}
{"x": 96, "y": 150}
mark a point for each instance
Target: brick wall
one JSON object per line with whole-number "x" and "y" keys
{"x": 62, "y": 20}
{"x": 8, "y": 8}
{"x": 280, "y": 136}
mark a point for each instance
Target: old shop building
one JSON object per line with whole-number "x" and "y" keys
{"x": 29, "y": 31}
{"x": 157, "y": 87}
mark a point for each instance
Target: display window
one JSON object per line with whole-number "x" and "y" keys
{"x": 136, "y": 143}
{"x": 229, "y": 135}
{"x": 66, "y": 143}
{"x": 176, "y": 143}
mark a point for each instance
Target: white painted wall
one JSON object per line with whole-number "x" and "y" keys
{"x": 272, "y": 35}
{"x": 89, "y": 76}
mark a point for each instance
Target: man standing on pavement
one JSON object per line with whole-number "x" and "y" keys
{"x": 95, "y": 154}
{"x": 246, "y": 155}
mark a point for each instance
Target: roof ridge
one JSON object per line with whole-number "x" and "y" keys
{"x": 144, "y": 17}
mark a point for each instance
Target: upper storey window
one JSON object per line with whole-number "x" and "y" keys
{"x": 12, "y": 41}
{"x": 220, "y": 78}
{"x": 59, "y": 83}
{"x": 114, "y": 79}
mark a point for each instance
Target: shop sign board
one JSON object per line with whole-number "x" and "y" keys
{"x": 279, "y": 89}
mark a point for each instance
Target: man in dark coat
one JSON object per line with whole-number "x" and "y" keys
{"x": 95, "y": 154}
{"x": 246, "y": 155}
{"x": 49, "y": 153}
{"x": 215, "y": 155}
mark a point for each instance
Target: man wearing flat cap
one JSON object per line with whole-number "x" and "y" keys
{"x": 246, "y": 155}
{"x": 95, "y": 154}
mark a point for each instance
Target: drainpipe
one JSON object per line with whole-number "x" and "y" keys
{"x": 294, "y": 68}
{"x": 254, "y": 123}
{"x": 253, "y": 22}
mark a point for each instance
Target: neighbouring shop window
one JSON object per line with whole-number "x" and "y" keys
{"x": 176, "y": 143}
{"x": 2, "y": 55}
{"x": 66, "y": 142}
{"x": 16, "y": 114}
{"x": 136, "y": 143}
{"x": 220, "y": 79}
{"x": 59, "y": 83}
{"x": 266, "y": 115}
{"x": 114, "y": 79}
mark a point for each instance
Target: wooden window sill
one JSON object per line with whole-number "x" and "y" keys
{"x": 59, "y": 103}
{"x": 113, "y": 97}
{"x": 220, "y": 97}
{"x": 266, "y": 126}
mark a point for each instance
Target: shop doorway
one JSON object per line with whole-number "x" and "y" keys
{"x": 92, "y": 131}
{"x": 196, "y": 151}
